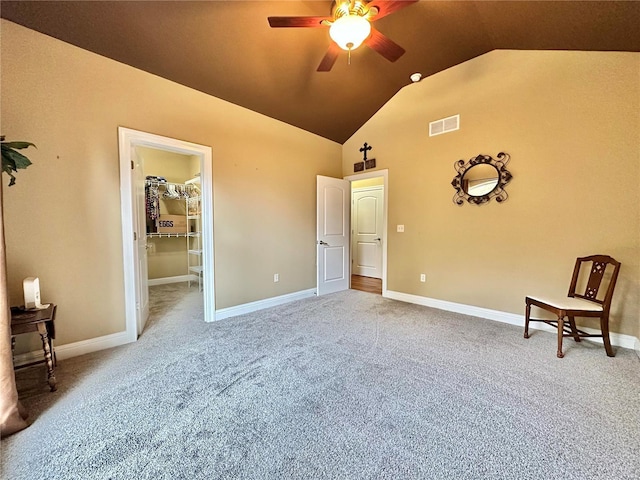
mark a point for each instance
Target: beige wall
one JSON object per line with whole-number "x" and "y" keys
{"x": 63, "y": 216}
{"x": 175, "y": 167}
{"x": 167, "y": 257}
{"x": 194, "y": 166}
{"x": 367, "y": 182}
{"x": 570, "y": 121}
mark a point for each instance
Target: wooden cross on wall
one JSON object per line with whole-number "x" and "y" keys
{"x": 366, "y": 162}
{"x": 366, "y": 147}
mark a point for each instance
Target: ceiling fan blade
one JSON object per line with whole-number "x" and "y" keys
{"x": 329, "y": 58}
{"x": 384, "y": 45}
{"x": 283, "y": 22}
{"x": 387, "y": 7}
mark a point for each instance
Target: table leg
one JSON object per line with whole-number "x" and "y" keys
{"x": 51, "y": 377}
{"x": 52, "y": 334}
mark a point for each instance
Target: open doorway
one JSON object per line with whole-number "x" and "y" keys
{"x": 367, "y": 219}
{"x": 173, "y": 227}
{"x": 134, "y": 222}
{"x": 334, "y": 260}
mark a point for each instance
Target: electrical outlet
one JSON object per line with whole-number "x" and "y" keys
{"x": 276, "y": 277}
{"x": 400, "y": 228}
{"x": 423, "y": 277}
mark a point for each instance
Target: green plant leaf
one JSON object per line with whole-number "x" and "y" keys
{"x": 13, "y": 160}
{"x": 18, "y": 160}
{"x": 8, "y": 165}
{"x": 18, "y": 145}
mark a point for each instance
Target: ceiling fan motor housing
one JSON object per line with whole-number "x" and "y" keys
{"x": 346, "y": 7}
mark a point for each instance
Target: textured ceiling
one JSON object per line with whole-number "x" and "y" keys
{"x": 228, "y": 50}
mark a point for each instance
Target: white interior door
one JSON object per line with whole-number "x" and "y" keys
{"x": 333, "y": 195}
{"x": 140, "y": 229}
{"x": 366, "y": 231}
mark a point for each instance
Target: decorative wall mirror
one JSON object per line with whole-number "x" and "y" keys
{"x": 481, "y": 179}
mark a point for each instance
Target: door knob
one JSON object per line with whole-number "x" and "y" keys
{"x": 320, "y": 242}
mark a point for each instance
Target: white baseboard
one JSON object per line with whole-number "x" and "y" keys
{"x": 617, "y": 339}
{"x": 261, "y": 304}
{"x": 176, "y": 279}
{"x": 116, "y": 339}
{"x": 77, "y": 348}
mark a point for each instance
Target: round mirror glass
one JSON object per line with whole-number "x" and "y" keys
{"x": 480, "y": 180}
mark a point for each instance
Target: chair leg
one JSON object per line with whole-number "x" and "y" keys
{"x": 560, "y": 333}
{"x": 604, "y": 326}
{"x": 574, "y": 329}
{"x": 526, "y": 320}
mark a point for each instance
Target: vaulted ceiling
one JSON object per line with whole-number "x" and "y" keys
{"x": 228, "y": 50}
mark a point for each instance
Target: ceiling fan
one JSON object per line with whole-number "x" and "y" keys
{"x": 350, "y": 26}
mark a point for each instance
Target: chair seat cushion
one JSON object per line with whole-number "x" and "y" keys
{"x": 569, "y": 303}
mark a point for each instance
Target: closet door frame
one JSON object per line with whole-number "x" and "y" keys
{"x": 127, "y": 139}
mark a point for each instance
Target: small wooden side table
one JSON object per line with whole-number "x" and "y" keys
{"x": 41, "y": 321}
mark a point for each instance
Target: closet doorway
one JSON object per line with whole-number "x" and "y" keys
{"x": 167, "y": 221}
{"x": 173, "y": 225}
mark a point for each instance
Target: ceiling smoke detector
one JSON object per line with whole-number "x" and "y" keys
{"x": 416, "y": 77}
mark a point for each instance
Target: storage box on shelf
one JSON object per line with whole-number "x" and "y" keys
{"x": 172, "y": 224}
{"x": 173, "y": 221}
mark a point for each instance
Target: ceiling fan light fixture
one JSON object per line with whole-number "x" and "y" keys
{"x": 349, "y": 31}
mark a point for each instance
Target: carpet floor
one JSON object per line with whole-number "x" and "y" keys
{"x": 349, "y": 385}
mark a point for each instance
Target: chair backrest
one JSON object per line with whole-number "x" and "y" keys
{"x": 598, "y": 265}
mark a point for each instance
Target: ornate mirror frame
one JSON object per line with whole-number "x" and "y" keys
{"x": 498, "y": 192}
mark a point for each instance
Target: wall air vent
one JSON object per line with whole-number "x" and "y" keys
{"x": 444, "y": 125}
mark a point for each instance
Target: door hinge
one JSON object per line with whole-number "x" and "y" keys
{"x": 132, "y": 167}
{"x": 135, "y": 236}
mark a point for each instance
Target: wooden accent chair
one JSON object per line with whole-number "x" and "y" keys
{"x": 585, "y": 304}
